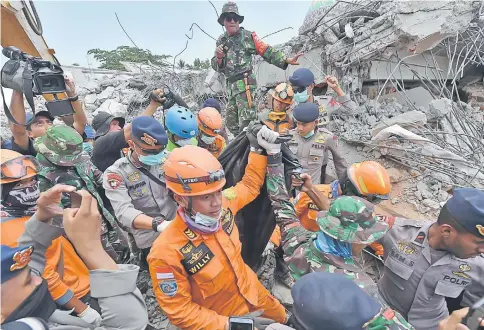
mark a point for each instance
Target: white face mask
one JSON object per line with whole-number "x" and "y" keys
{"x": 184, "y": 142}
{"x": 207, "y": 139}
{"x": 206, "y": 220}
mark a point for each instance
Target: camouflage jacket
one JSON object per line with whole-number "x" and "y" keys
{"x": 238, "y": 59}
{"x": 300, "y": 253}
{"x": 84, "y": 175}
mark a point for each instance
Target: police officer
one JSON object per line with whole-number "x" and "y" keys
{"x": 198, "y": 274}
{"x": 311, "y": 144}
{"x": 303, "y": 82}
{"x": 324, "y": 301}
{"x": 135, "y": 185}
{"x": 233, "y": 57}
{"x": 25, "y": 294}
{"x": 426, "y": 262}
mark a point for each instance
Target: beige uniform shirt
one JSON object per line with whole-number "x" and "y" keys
{"x": 312, "y": 153}
{"x": 409, "y": 268}
{"x": 133, "y": 193}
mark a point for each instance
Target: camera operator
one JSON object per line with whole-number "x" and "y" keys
{"x": 23, "y": 136}
{"x": 112, "y": 135}
{"x": 24, "y": 293}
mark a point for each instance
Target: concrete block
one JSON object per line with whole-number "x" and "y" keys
{"x": 419, "y": 97}
{"x": 406, "y": 119}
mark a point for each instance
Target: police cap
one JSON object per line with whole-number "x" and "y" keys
{"x": 302, "y": 77}
{"x": 212, "y": 103}
{"x": 467, "y": 208}
{"x": 148, "y": 132}
{"x": 306, "y": 112}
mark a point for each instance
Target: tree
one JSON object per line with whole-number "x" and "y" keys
{"x": 181, "y": 64}
{"x": 201, "y": 65}
{"x": 111, "y": 59}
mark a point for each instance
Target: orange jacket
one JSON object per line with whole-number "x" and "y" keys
{"x": 11, "y": 229}
{"x": 66, "y": 274}
{"x": 200, "y": 280}
{"x": 306, "y": 211}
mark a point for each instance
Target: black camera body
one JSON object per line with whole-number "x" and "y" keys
{"x": 35, "y": 76}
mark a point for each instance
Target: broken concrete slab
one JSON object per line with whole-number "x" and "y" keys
{"x": 438, "y": 109}
{"x": 395, "y": 174}
{"x": 419, "y": 97}
{"x": 406, "y": 119}
{"x": 433, "y": 205}
{"x": 115, "y": 108}
{"x": 90, "y": 98}
{"x": 106, "y": 94}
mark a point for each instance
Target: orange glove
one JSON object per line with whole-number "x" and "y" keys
{"x": 378, "y": 248}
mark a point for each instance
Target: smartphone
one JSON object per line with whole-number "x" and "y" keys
{"x": 75, "y": 200}
{"x": 475, "y": 313}
{"x": 241, "y": 323}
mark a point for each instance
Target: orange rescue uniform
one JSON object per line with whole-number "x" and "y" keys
{"x": 200, "y": 279}
{"x": 66, "y": 274}
{"x": 11, "y": 229}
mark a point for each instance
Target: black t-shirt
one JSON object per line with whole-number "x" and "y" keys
{"x": 30, "y": 149}
{"x": 107, "y": 149}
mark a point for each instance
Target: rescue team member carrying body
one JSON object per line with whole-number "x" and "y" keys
{"x": 426, "y": 262}
{"x": 311, "y": 144}
{"x": 20, "y": 191}
{"x": 233, "y": 57}
{"x": 209, "y": 126}
{"x": 24, "y": 293}
{"x": 199, "y": 277}
{"x": 345, "y": 229}
{"x": 135, "y": 184}
{"x": 181, "y": 126}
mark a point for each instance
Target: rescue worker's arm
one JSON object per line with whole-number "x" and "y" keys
{"x": 269, "y": 54}
{"x": 173, "y": 293}
{"x": 59, "y": 291}
{"x": 80, "y": 119}
{"x": 249, "y": 187}
{"x": 151, "y": 108}
{"x": 17, "y": 109}
{"x": 117, "y": 192}
{"x": 338, "y": 159}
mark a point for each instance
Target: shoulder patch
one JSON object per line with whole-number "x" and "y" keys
{"x": 114, "y": 180}
{"x": 260, "y": 46}
{"x": 189, "y": 233}
{"x": 197, "y": 258}
{"x": 229, "y": 193}
{"x": 168, "y": 287}
{"x": 227, "y": 221}
{"x": 321, "y": 138}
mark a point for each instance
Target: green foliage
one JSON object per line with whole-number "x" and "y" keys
{"x": 182, "y": 64}
{"x": 110, "y": 59}
{"x": 200, "y": 65}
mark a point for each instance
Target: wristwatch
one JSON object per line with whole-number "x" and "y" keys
{"x": 74, "y": 98}
{"x": 156, "y": 222}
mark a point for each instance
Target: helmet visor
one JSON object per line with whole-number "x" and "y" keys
{"x": 19, "y": 167}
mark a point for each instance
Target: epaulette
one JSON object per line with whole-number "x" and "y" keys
{"x": 409, "y": 222}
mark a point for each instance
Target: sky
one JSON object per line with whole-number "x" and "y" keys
{"x": 74, "y": 27}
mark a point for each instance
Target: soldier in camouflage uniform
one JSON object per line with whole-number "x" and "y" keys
{"x": 324, "y": 301}
{"x": 233, "y": 57}
{"x": 60, "y": 152}
{"x": 345, "y": 229}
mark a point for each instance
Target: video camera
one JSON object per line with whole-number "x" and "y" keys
{"x": 167, "y": 95}
{"x": 35, "y": 76}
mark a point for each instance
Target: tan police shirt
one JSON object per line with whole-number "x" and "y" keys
{"x": 312, "y": 153}
{"x": 411, "y": 265}
{"x": 133, "y": 193}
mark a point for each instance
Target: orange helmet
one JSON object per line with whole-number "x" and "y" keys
{"x": 370, "y": 179}
{"x": 209, "y": 121}
{"x": 16, "y": 167}
{"x": 283, "y": 93}
{"x": 193, "y": 171}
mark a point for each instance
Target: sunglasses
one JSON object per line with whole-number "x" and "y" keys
{"x": 150, "y": 151}
{"x": 18, "y": 167}
{"x": 231, "y": 17}
{"x": 299, "y": 89}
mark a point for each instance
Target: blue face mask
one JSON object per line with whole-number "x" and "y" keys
{"x": 301, "y": 97}
{"x": 329, "y": 245}
{"x": 310, "y": 135}
{"x": 87, "y": 147}
{"x": 152, "y": 160}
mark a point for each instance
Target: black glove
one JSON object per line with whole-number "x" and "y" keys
{"x": 251, "y": 133}
{"x": 259, "y": 322}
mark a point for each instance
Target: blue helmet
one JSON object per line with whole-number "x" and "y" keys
{"x": 181, "y": 122}
{"x": 90, "y": 132}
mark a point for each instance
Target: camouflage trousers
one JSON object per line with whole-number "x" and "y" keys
{"x": 238, "y": 112}
{"x": 115, "y": 243}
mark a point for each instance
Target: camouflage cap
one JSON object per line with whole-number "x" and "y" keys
{"x": 61, "y": 145}
{"x": 230, "y": 7}
{"x": 352, "y": 220}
